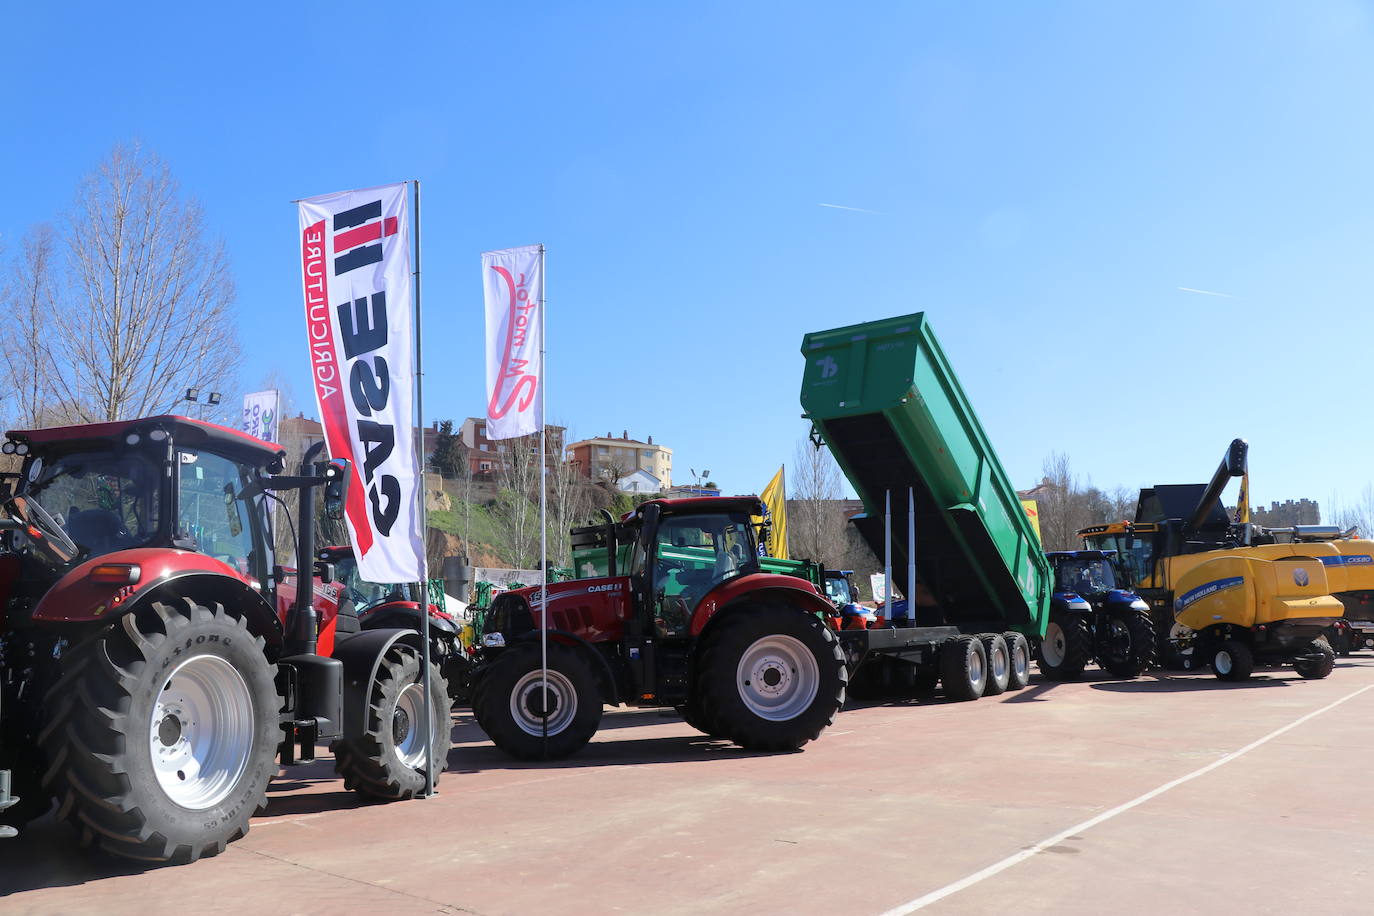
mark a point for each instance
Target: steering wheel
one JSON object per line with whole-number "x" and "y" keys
{"x": 58, "y": 542}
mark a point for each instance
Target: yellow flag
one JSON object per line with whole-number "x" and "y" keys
{"x": 1243, "y": 501}
{"x": 775, "y": 504}
{"x": 1032, "y": 509}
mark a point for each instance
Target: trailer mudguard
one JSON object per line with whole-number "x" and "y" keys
{"x": 361, "y": 654}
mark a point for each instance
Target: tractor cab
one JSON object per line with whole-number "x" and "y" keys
{"x": 1083, "y": 572}
{"x": 87, "y": 492}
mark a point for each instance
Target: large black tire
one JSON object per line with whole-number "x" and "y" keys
{"x": 187, "y": 682}
{"x": 1315, "y": 669}
{"x": 1019, "y": 655}
{"x": 507, "y": 703}
{"x": 964, "y": 668}
{"x": 1232, "y": 660}
{"x": 999, "y": 663}
{"x": 694, "y": 716}
{"x": 387, "y": 760}
{"x": 1066, "y": 648}
{"x": 1127, "y": 646}
{"x": 770, "y": 677}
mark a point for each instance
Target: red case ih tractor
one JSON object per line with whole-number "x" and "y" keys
{"x": 148, "y": 679}
{"x": 683, "y": 618}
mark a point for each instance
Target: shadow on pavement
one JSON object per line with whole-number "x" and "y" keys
{"x": 1163, "y": 683}
{"x": 46, "y": 854}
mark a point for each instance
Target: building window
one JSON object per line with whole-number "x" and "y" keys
{"x": 484, "y": 466}
{"x": 602, "y": 450}
{"x": 483, "y": 447}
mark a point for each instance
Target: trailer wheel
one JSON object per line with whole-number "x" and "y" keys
{"x": 1316, "y": 668}
{"x": 771, "y": 677}
{"x": 1066, "y": 648}
{"x": 163, "y": 732}
{"x": 387, "y": 760}
{"x": 1128, "y": 645}
{"x": 999, "y": 663}
{"x": 1232, "y": 660}
{"x": 1018, "y": 654}
{"x": 509, "y": 704}
{"x": 964, "y": 668}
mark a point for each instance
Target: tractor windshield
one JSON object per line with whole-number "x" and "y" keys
{"x": 837, "y": 590}
{"x": 692, "y": 555}
{"x": 105, "y": 501}
{"x": 365, "y": 594}
{"x": 1086, "y": 576}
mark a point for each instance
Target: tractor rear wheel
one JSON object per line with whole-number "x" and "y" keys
{"x": 163, "y": 733}
{"x": 1232, "y": 660}
{"x": 964, "y": 668}
{"x": 1319, "y": 663}
{"x": 999, "y": 663}
{"x": 692, "y": 714}
{"x": 1018, "y": 654}
{"x": 387, "y": 760}
{"x": 771, "y": 677}
{"x": 1066, "y": 648}
{"x": 1127, "y": 648}
{"x": 510, "y": 706}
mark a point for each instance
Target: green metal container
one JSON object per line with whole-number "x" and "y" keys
{"x": 884, "y": 399}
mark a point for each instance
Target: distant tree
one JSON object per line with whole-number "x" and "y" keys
{"x": 816, "y": 522}
{"x": 710, "y": 485}
{"x": 30, "y": 299}
{"x": 449, "y": 455}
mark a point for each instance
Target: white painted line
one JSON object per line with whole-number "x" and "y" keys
{"x": 997, "y": 867}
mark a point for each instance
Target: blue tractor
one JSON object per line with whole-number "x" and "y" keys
{"x": 1094, "y": 618}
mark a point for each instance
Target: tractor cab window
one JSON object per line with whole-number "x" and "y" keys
{"x": 105, "y": 501}
{"x": 1086, "y": 576}
{"x": 692, "y": 555}
{"x": 213, "y": 517}
{"x": 363, "y": 594}
{"x": 837, "y": 590}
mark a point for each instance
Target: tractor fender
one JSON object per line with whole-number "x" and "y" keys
{"x": 600, "y": 667}
{"x": 404, "y": 615}
{"x": 1066, "y": 603}
{"x": 163, "y": 576}
{"x": 759, "y": 586}
{"x": 361, "y": 656}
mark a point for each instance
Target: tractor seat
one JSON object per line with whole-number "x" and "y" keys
{"x": 98, "y": 530}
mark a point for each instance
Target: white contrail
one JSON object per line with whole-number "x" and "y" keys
{"x": 1206, "y": 292}
{"x": 855, "y": 209}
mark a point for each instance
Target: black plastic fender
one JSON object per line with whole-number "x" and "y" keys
{"x": 401, "y": 616}
{"x": 601, "y": 668}
{"x": 361, "y": 654}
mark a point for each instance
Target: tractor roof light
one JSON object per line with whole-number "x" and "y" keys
{"x": 116, "y": 573}
{"x": 133, "y": 439}
{"x": 8, "y": 448}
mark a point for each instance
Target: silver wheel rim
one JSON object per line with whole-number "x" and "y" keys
{"x": 201, "y": 732}
{"x": 1222, "y": 662}
{"x": 409, "y": 712}
{"x": 777, "y": 678}
{"x": 975, "y": 668}
{"x": 1020, "y": 662}
{"x": 525, "y": 705}
{"x": 1055, "y": 648}
{"x": 998, "y": 666}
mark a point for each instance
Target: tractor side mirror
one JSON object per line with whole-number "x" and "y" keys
{"x": 324, "y": 571}
{"x": 337, "y": 476}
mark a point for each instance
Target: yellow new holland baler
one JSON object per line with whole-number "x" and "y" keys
{"x": 1230, "y": 594}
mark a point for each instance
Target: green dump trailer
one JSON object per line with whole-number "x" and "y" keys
{"x": 883, "y": 398}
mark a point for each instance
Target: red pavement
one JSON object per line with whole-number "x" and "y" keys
{"x": 896, "y": 801}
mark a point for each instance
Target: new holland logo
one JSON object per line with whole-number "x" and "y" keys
{"x": 1300, "y": 577}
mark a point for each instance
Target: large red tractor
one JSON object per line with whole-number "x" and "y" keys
{"x": 149, "y": 678}
{"x": 683, "y": 616}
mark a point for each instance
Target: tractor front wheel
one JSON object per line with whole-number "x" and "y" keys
{"x": 1066, "y": 648}
{"x": 1128, "y": 646}
{"x": 513, "y": 709}
{"x": 387, "y": 760}
{"x": 771, "y": 677}
{"x": 163, "y": 732}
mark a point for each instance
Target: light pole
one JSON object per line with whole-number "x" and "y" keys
{"x": 211, "y": 399}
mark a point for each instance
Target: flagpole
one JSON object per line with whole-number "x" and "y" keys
{"x": 543, "y": 499}
{"x": 428, "y": 724}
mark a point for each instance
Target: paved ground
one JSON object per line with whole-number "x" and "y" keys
{"x": 991, "y": 803}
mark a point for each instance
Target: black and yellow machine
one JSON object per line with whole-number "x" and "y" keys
{"x": 1231, "y": 594}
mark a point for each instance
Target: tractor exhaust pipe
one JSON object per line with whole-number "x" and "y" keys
{"x": 303, "y": 634}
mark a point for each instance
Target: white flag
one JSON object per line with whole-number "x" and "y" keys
{"x": 513, "y": 283}
{"x": 355, "y": 261}
{"x": 260, "y": 414}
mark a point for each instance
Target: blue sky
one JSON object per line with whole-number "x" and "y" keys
{"x": 1043, "y": 180}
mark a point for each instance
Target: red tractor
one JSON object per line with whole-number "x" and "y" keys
{"x": 149, "y": 675}
{"x": 683, "y": 616}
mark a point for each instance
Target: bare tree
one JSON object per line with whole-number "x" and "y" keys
{"x": 516, "y": 512}
{"x": 31, "y": 300}
{"x": 149, "y": 314}
{"x": 569, "y": 505}
{"x": 1358, "y": 514}
{"x": 816, "y": 522}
